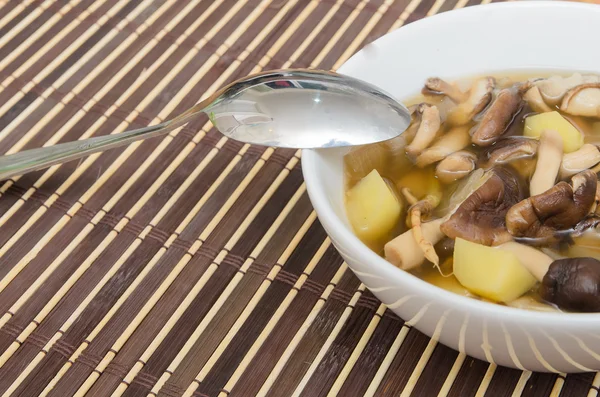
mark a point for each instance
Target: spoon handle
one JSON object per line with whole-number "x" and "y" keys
{"x": 40, "y": 158}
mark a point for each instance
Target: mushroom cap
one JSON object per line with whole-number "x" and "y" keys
{"x": 507, "y": 150}
{"x": 554, "y": 88}
{"x": 481, "y": 217}
{"x": 583, "y": 100}
{"x": 573, "y": 284}
{"x": 455, "y": 166}
{"x": 557, "y": 209}
{"x": 498, "y": 116}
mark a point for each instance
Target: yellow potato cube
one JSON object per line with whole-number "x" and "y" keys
{"x": 535, "y": 125}
{"x": 490, "y": 272}
{"x": 372, "y": 207}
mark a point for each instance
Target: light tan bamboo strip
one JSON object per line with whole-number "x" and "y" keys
{"x": 460, "y": 4}
{"x": 283, "y": 38}
{"x": 460, "y": 359}
{"x": 520, "y": 386}
{"x": 147, "y": 230}
{"x": 410, "y": 8}
{"x": 214, "y": 358}
{"x": 40, "y": 32}
{"x": 101, "y": 247}
{"x": 283, "y": 306}
{"x": 170, "y": 277}
{"x": 338, "y": 34}
{"x": 18, "y": 28}
{"x": 92, "y": 28}
{"x": 387, "y": 361}
{"x": 123, "y": 221}
{"x": 159, "y": 338}
{"x": 124, "y": 337}
{"x": 362, "y": 35}
{"x": 321, "y": 56}
{"x": 141, "y": 276}
{"x": 230, "y": 287}
{"x": 85, "y": 59}
{"x": 595, "y": 385}
{"x": 205, "y": 277}
{"x": 425, "y": 356}
{"x": 435, "y": 7}
{"x": 106, "y": 175}
{"x": 81, "y": 85}
{"x": 120, "y": 100}
{"x": 15, "y": 11}
{"x": 46, "y": 238}
{"x": 558, "y": 385}
{"x": 360, "y": 347}
{"x": 291, "y": 347}
{"x": 330, "y": 339}
{"x": 147, "y": 195}
{"x": 243, "y": 316}
{"x": 485, "y": 382}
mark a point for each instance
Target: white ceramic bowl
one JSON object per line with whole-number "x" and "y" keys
{"x": 490, "y": 38}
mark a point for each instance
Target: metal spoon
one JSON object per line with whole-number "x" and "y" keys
{"x": 294, "y": 108}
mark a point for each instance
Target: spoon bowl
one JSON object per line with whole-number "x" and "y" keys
{"x": 295, "y": 108}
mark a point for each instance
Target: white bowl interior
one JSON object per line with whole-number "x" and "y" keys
{"x": 492, "y": 38}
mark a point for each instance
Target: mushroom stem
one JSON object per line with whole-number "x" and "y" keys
{"x": 430, "y": 124}
{"x": 410, "y": 198}
{"x": 404, "y": 251}
{"x": 549, "y": 158}
{"x": 454, "y": 140}
{"x": 533, "y": 260}
{"x": 435, "y": 85}
{"x": 535, "y": 100}
{"x": 455, "y": 166}
{"x": 572, "y": 163}
{"x": 423, "y": 207}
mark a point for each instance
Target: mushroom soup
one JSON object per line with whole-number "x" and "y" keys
{"x": 492, "y": 192}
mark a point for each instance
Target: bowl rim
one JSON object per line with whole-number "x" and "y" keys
{"x": 355, "y": 247}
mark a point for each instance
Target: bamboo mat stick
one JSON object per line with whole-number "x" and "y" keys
{"x": 65, "y": 54}
{"x": 387, "y": 361}
{"x": 49, "y": 24}
{"x": 270, "y": 326}
{"x": 139, "y": 206}
{"x": 201, "y": 328}
{"x": 336, "y": 37}
{"x": 25, "y": 22}
{"x": 135, "y": 322}
{"x": 35, "y": 105}
{"x": 105, "y": 176}
{"x": 520, "y": 386}
{"x": 19, "y": 267}
{"x": 329, "y": 341}
{"x": 14, "y": 12}
{"x": 285, "y": 356}
{"x": 112, "y": 83}
{"x": 141, "y": 276}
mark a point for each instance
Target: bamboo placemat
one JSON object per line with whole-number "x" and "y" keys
{"x": 191, "y": 264}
